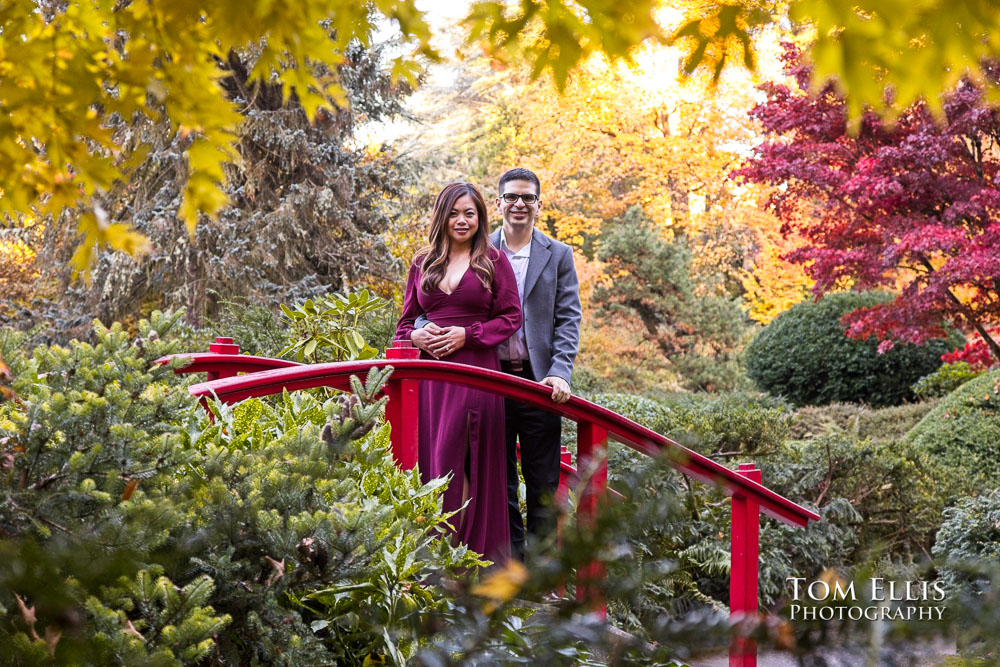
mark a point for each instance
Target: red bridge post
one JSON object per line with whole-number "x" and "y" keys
{"x": 562, "y": 502}
{"x": 222, "y": 345}
{"x": 402, "y": 410}
{"x": 591, "y": 460}
{"x": 744, "y": 554}
{"x": 562, "y": 492}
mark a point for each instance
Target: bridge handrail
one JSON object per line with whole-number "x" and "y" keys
{"x": 218, "y": 365}
{"x": 640, "y": 438}
{"x": 214, "y": 362}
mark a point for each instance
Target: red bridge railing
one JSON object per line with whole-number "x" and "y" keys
{"x": 224, "y": 360}
{"x": 595, "y": 425}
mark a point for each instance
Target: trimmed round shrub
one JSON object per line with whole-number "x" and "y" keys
{"x": 805, "y": 356}
{"x": 963, "y": 433}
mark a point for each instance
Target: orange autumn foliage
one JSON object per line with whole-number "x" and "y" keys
{"x": 772, "y": 283}
{"x": 608, "y": 144}
{"x": 18, "y": 272}
{"x": 615, "y": 354}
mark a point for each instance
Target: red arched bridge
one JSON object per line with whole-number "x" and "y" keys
{"x": 595, "y": 425}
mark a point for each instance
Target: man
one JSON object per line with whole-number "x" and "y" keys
{"x": 543, "y": 350}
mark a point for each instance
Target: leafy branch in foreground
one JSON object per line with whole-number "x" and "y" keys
{"x": 327, "y": 328}
{"x": 78, "y": 67}
{"x": 562, "y": 35}
{"x": 81, "y": 64}
{"x": 867, "y": 48}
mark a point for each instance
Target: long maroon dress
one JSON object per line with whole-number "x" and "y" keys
{"x": 461, "y": 428}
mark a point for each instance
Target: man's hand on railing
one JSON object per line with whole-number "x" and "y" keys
{"x": 560, "y": 388}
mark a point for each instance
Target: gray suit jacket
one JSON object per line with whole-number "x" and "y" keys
{"x": 551, "y": 306}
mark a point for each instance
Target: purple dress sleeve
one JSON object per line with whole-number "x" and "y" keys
{"x": 505, "y": 317}
{"x": 411, "y": 306}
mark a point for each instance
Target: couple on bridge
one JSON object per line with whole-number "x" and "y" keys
{"x": 505, "y": 301}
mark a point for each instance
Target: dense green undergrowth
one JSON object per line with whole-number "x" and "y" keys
{"x": 134, "y": 529}
{"x": 281, "y": 532}
{"x": 878, "y": 477}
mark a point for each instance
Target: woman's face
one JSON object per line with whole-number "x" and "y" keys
{"x": 463, "y": 221}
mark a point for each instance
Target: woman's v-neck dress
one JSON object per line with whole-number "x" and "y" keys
{"x": 461, "y": 428}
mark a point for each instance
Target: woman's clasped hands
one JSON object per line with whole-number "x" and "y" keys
{"x": 438, "y": 341}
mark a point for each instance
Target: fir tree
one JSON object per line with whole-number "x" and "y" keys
{"x": 649, "y": 278}
{"x": 307, "y": 214}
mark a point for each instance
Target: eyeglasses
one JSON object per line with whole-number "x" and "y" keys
{"x": 510, "y": 198}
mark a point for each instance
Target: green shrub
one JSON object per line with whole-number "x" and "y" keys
{"x": 712, "y": 424}
{"x": 654, "y": 415}
{"x": 813, "y": 421}
{"x": 969, "y": 537}
{"x": 726, "y": 424}
{"x": 139, "y": 532}
{"x": 881, "y": 424}
{"x": 254, "y": 327}
{"x": 962, "y": 432}
{"x": 328, "y": 328}
{"x": 892, "y": 488}
{"x": 804, "y": 356}
{"x": 894, "y": 422}
{"x": 945, "y": 380}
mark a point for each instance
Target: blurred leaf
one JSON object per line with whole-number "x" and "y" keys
{"x": 503, "y": 584}
{"x": 559, "y": 36}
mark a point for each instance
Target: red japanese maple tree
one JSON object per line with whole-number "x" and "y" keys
{"x": 914, "y": 205}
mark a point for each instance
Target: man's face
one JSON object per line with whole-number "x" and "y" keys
{"x": 518, "y": 214}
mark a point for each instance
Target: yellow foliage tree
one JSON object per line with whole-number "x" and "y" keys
{"x": 66, "y": 68}
{"x": 608, "y": 143}
{"x": 773, "y": 284}
{"x": 18, "y": 268}
{"x": 918, "y": 50}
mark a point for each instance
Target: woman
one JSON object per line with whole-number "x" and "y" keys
{"x": 467, "y": 289}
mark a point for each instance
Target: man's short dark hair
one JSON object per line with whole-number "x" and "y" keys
{"x": 521, "y": 174}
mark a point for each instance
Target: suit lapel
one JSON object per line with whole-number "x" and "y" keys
{"x": 540, "y": 255}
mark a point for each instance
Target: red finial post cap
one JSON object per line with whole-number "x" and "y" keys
{"x": 224, "y": 345}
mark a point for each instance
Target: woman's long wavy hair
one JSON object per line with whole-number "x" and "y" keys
{"x": 433, "y": 258}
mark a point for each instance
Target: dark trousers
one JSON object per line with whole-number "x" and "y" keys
{"x": 539, "y": 434}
